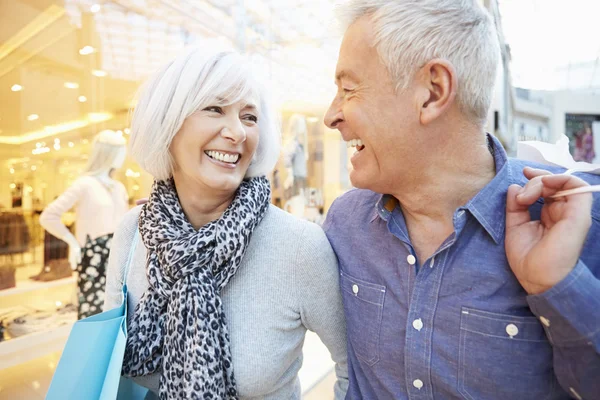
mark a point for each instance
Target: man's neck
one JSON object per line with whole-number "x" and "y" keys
{"x": 459, "y": 171}
{"x": 430, "y": 195}
{"x": 201, "y": 205}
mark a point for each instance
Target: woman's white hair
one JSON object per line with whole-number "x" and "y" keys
{"x": 205, "y": 75}
{"x": 410, "y": 33}
{"x": 107, "y": 146}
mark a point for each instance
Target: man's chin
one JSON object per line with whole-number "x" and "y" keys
{"x": 359, "y": 180}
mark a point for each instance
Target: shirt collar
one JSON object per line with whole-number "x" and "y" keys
{"x": 488, "y": 206}
{"x": 385, "y": 207}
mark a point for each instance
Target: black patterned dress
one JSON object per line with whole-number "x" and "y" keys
{"x": 92, "y": 275}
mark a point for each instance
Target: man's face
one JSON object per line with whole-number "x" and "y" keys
{"x": 367, "y": 108}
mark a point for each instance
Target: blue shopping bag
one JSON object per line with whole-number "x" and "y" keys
{"x": 90, "y": 365}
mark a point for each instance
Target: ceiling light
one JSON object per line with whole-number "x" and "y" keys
{"x": 71, "y": 144}
{"x": 95, "y": 8}
{"x": 32, "y": 117}
{"x": 16, "y": 88}
{"x": 127, "y": 131}
{"x": 12, "y": 170}
{"x": 71, "y": 85}
{"x": 82, "y": 99}
{"x": 33, "y": 167}
{"x": 120, "y": 133}
{"x": 84, "y": 51}
{"x": 41, "y": 150}
{"x": 56, "y": 146}
{"x": 12, "y": 186}
{"x": 99, "y": 73}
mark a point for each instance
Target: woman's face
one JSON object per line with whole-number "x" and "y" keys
{"x": 215, "y": 146}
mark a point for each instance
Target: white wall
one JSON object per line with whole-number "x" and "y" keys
{"x": 527, "y": 128}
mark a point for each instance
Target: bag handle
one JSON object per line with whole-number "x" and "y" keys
{"x": 136, "y": 239}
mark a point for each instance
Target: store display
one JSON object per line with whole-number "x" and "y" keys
{"x": 100, "y": 200}
{"x": 7, "y": 277}
{"x": 54, "y": 248}
{"x": 296, "y": 155}
{"x": 14, "y": 233}
{"x": 92, "y": 275}
{"x": 20, "y": 321}
{"x": 40, "y": 321}
{"x": 55, "y": 269}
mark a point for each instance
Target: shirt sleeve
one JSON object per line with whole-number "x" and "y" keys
{"x": 50, "y": 219}
{"x": 570, "y": 314}
{"x": 321, "y": 309}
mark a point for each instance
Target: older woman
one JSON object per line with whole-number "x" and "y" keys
{"x": 223, "y": 285}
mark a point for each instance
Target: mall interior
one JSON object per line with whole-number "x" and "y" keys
{"x": 70, "y": 69}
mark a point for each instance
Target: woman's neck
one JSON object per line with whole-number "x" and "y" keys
{"x": 201, "y": 206}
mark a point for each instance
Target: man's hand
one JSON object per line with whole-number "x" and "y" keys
{"x": 542, "y": 253}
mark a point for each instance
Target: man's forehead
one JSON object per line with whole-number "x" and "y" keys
{"x": 356, "y": 50}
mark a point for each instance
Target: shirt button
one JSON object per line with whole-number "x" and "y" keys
{"x": 512, "y": 330}
{"x": 355, "y": 289}
{"x": 545, "y": 321}
{"x": 418, "y": 324}
{"x": 418, "y": 383}
{"x": 411, "y": 259}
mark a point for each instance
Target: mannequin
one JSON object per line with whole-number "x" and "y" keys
{"x": 296, "y": 155}
{"x": 100, "y": 203}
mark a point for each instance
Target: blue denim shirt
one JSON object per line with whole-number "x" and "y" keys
{"x": 459, "y": 325}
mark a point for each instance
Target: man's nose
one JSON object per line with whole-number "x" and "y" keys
{"x": 334, "y": 115}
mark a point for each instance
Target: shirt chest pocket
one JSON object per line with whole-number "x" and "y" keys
{"x": 363, "y": 306}
{"x": 504, "y": 357}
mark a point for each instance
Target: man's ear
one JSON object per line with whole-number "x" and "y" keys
{"x": 437, "y": 85}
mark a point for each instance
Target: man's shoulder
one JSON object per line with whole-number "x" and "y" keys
{"x": 354, "y": 205}
{"x": 355, "y": 200}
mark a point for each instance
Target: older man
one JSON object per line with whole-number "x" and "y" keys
{"x": 461, "y": 276}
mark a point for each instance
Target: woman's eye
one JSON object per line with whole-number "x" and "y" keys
{"x": 251, "y": 117}
{"x": 214, "y": 109}
{"x": 346, "y": 91}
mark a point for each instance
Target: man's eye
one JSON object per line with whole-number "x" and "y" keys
{"x": 216, "y": 109}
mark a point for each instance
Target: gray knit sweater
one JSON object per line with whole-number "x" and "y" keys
{"x": 286, "y": 284}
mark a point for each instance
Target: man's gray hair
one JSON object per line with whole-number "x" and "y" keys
{"x": 203, "y": 76}
{"x": 410, "y": 33}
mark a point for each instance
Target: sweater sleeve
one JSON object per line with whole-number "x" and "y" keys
{"x": 321, "y": 309}
{"x": 119, "y": 254}
{"x": 50, "y": 219}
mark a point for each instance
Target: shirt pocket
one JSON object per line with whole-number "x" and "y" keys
{"x": 363, "y": 306}
{"x": 503, "y": 357}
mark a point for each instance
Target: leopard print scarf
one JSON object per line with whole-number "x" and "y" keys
{"x": 179, "y": 326}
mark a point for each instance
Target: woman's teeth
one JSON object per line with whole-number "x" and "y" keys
{"x": 227, "y": 158}
{"x": 354, "y": 143}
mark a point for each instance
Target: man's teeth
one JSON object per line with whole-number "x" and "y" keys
{"x": 228, "y": 158}
{"x": 354, "y": 143}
